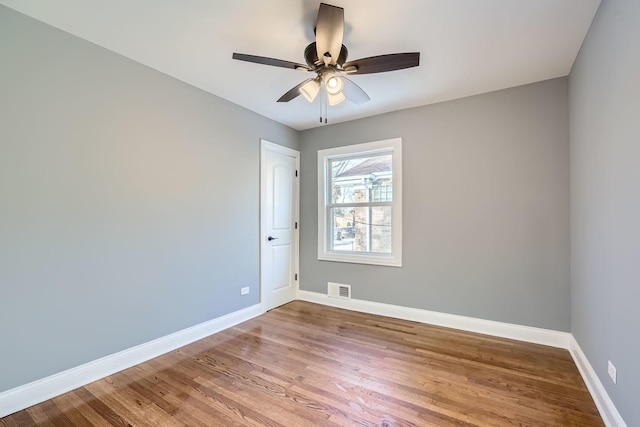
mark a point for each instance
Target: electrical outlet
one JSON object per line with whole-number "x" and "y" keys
{"x": 613, "y": 373}
{"x": 244, "y": 291}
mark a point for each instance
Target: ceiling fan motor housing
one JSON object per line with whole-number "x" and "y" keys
{"x": 311, "y": 56}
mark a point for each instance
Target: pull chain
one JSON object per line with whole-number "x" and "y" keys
{"x": 324, "y": 105}
{"x": 321, "y": 103}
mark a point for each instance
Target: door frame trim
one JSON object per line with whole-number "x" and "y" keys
{"x": 266, "y": 146}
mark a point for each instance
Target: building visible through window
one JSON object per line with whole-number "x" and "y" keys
{"x": 362, "y": 181}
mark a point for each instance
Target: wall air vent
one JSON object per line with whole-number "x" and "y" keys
{"x": 338, "y": 290}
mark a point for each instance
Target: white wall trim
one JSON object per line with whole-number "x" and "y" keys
{"x": 24, "y": 396}
{"x": 608, "y": 410}
{"x": 38, "y": 391}
{"x": 391, "y": 146}
{"x": 471, "y": 324}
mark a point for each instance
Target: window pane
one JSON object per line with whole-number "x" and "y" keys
{"x": 361, "y": 229}
{"x": 363, "y": 179}
{"x": 382, "y": 191}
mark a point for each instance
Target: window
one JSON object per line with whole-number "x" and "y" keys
{"x": 360, "y": 203}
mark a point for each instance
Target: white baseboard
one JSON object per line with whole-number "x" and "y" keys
{"x": 608, "y": 410}
{"x": 38, "y": 391}
{"x": 471, "y": 324}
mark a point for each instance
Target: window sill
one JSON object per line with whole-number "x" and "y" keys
{"x": 382, "y": 260}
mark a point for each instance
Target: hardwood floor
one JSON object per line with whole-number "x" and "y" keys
{"x": 308, "y": 365}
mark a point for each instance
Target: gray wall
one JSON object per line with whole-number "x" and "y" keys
{"x": 604, "y": 99}
{"x": 486, "y": 211}
{"x": 129, "y": 202}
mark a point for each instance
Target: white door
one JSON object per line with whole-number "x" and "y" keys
{"x": 279, "y": 224}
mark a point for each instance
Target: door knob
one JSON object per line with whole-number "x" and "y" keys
{"x": 270, "y": 238}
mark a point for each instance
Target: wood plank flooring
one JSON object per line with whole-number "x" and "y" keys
{"x": 304, "y": 364}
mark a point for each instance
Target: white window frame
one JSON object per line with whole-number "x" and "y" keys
{"x": 388, "y": 146}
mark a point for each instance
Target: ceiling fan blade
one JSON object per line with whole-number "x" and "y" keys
{"x": 329, "y": 32}
{"x": 270, "y": 61}
{"x": 293, "y": 93}
{"x": 383, "y": 63}
{"x": 353, "y": 92}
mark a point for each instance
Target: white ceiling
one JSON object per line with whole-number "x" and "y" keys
{"x": 467, "y": 46}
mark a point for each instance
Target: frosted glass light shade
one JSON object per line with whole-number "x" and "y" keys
{"x": 334, "y": 85}
{"x": 310, "y": 90}
{"x": 335, "y": 99}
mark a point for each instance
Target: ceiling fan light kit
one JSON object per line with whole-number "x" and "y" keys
{"x": 310, "y": 89}
{"x": 334, "y": 84}
{"x": 335, "y": 99}
{"x": 327, "y": 58}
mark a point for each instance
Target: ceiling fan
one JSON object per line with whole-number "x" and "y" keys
{"x": 327, "y": 58}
